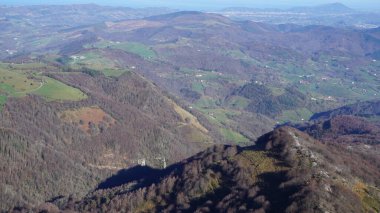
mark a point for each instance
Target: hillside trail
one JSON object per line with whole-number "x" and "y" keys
{"x": 33, "y": 90}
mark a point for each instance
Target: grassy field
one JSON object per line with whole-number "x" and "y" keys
{"x": 132, "y": 47}
{"x": 276, "y": 91}
{"x": 194, "y": 135}
{"x": 3, "y": 100}
{"x": 190, "y": 127}
{"x": 93, "y": 60}
{"x": 221, "y": 118}
{"x": 198, "y": 87}
{"x": 56, "y": 90}
{"x": 86, "y": 115}
{"x": 218, "y": 114}
{"x": 262, "y": 161}
{"x": 41, "y": 42}
{"x": 27, "y": 67}
{"x": 237, "y": 54}
{"x": 233, "y": 136}
{"x": 138, "y": 49}
{"x": 187, "y": 117}
{"x": 96, "y": 61}
{"x": 237, "y": 102}
{"x": 19, "y": 80}
{"x": 16, "y": 83}
{"x": 341, "y": 89}
{"x": 113, "y": 72}
{"x": 335, "y": 90}
{"x": 295, "y": 115}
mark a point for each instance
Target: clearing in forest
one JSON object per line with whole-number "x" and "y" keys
{"x": 18, "y": 81}
{"x": 52, "y": 89}
{"x": 89, "y": 119}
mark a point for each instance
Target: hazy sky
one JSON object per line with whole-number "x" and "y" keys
{"x": 204, "y": 4}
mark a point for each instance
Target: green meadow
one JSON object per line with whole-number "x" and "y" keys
{"x": 131, "y": 47}
{"x": 55, "y": 90}
{"x": 3, "y": 100}
{"x": 233, "y": 136}
{"x": 16, "y": 83}
{"x": 19, "y": 81}
{"x": 95, "y": 60}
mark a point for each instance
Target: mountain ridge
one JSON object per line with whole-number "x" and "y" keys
{"x": 325, "y": 8}
{"x": 285, "y": 163}
{"x": 322, "y": 8}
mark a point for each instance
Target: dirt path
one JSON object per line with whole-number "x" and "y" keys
{"x": 33, "y": 90}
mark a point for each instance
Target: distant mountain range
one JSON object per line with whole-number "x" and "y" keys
{"x": 325, "y": 8}
{"x": 78, "y": 14}
{"x": 335, "y": 14}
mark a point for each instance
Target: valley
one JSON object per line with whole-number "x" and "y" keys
{"x": 204, "y": 72}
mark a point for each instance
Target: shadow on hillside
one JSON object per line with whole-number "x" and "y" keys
{"x": 279, "y": 197}
{"x": 142, "y": 175}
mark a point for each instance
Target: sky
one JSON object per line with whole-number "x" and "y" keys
{"x": 204, "y": 4}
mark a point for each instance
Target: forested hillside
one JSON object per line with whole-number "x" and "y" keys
{"x": 286, "y": 171}
{"x": 52, "y": 148}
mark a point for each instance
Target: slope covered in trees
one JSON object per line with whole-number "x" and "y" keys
{"x": 53, "y": 148}
{"x": 367, "y": 109}
{"x": 286, "y": 171}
